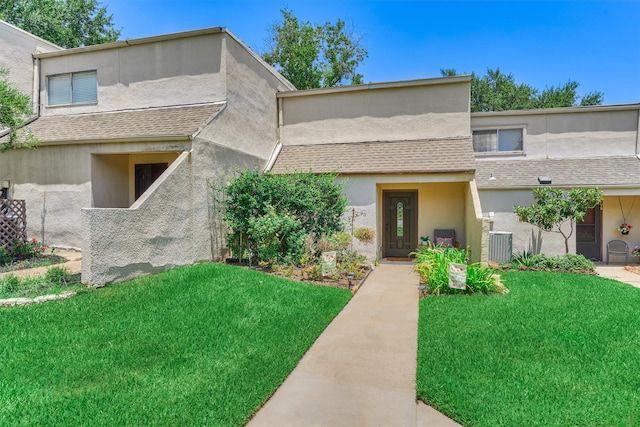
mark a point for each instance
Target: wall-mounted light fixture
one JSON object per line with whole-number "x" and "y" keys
{"x": 492, "y": 178}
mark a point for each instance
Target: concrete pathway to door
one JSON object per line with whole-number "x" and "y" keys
{"x": 361, "y": 371}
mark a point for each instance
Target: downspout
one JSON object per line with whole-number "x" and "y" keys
{"x": 36, "y": 86}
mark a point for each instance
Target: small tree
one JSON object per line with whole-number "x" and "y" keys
{"x": 15, "y": 108}
{"x": 554, "y": 207}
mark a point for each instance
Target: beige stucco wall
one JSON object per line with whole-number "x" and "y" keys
{"x": 612, "y": 217}
{"x": 441, "y": 204}
{"x": 170, "y": 72}
{"x": 56, "y": 182}
{"x": 497, "y": 206}
{"x": 603, "y": 131}
{"x": 16, "y": 47}
{"x": 438, "y": 108}
{"x": 175, "y": 221}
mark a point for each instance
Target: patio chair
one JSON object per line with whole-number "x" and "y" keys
{"x": 618, "y": 247}
{"x": 444, "y": 237}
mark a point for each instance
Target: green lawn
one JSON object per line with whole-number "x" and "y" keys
{"x": 202, "y": 345}
{"x": 558, "y": 350}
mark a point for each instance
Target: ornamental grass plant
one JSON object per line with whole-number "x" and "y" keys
{"x": 433, "y": 261}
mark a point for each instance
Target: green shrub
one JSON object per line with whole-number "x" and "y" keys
{"x": 523, "y": 259}
{"x": 315, "y": 202}
{"x": 278, "y": 238}
{"x": 8, "y": 285}
{"x": 57, "y": 276}
{"x": 432, "y": 263}
{"x": 568, "y": 262}
{"x": 29, "y": 249}
{"x": 5, "y": 258}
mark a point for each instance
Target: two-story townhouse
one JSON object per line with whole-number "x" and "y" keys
{"x": 598, "y": 146}
{"x": 133, "y": 134}
{"x": 404, "y": 151}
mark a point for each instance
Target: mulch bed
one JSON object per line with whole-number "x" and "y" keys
{"x": 297, "y": 275}
{"x": 633, "y": 268}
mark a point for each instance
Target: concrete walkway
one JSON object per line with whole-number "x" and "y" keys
{"x": 73, "y": 264}
{"x": 361, "y": 371}
{"x": 617, "y": 272}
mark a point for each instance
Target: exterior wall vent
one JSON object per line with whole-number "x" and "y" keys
{"x": 500, "y": 246}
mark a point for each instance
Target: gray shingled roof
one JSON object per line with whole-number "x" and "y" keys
{"x": 423, "y": 156}
{"x": 590, "y": 172}
{"x": 133, "y": 124}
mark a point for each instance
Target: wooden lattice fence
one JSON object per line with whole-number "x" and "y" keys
{"x": 13, "y": 222}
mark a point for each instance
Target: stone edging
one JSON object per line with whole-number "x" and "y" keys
{"x": 37, "y": 300}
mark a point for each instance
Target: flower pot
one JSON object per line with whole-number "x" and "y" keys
{"x": 624, "y": 232}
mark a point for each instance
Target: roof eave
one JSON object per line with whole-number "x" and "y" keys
{"x": 162, "y": 138}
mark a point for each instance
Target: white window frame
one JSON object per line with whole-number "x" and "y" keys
{"x": 70, "y": 89}
{"x": 499, "y": 152}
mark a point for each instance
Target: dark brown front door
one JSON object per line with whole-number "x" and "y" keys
{"x": 589, "y": 235}
{"x": 400, "y": 222}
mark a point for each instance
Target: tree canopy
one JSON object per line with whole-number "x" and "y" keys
{"x": 311, "y": 55}
{"x": 555, "y": 206}
{"x": 15, "y": 108}
{"x": 497, "y": 91}
{"x": 67, "y": 23}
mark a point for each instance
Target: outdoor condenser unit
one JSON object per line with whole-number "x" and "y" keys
{"x": 500, "y": 246}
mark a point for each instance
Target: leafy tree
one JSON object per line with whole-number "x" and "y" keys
{"x": 273, "y": 214}
{"x": 15, "y": 108}
{"x": 67, "y": 23}
{"x": 497, "y": 91}
{"x": 554, "y": 207}
{"x": 313, "y": 56}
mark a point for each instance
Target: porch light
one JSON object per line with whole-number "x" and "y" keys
{"x": 544, "y": 180}
{"x": 492, "y": 178}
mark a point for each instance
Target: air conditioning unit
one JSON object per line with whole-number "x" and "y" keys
{"x": 500, "y": 246}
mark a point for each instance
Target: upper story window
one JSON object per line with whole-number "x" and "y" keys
{"x": 72, "y": 88}
{"x": 497, "y": 140}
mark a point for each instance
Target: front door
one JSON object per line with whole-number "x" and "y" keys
{"x": 589, "y": 235}
{"x": 400, "y": 222}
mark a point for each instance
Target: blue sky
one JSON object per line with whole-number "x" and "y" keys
{"x": 542, "y": 43}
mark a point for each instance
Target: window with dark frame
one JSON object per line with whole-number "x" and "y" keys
{"x": 72, "y": 88}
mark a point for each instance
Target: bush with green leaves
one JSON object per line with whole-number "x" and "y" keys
{"x": 432, "y": 263}
{"x": 568, "y": 262}
{"x": 28, "y": 249}
{"x": 308, "y": 203}
{"x": 281, "y": 238}
{"x": 5, "y": 258}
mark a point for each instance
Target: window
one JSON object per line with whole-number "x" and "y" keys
{"x": 72, "y": 88}
{"x": 497, "y": 140}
